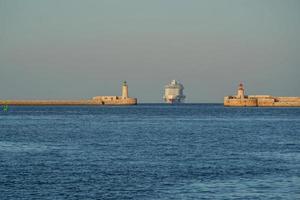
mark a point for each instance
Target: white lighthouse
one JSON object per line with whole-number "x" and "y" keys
{"x": 124, "y": 90}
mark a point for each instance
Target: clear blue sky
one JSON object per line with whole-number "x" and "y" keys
{"x": 72, "y": 49}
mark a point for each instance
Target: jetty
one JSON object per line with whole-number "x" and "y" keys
{"x": 241, "y": 99}
{"x": 97, "y": 100}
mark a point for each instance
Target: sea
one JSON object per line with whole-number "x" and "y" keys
{"x": 149, "y": 151}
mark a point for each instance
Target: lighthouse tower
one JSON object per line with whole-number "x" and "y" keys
{"x": 124, "y": 90}
{"x": 240, "y": 92}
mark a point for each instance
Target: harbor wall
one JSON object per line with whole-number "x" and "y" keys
{"x": 97, "y": 100}
{"x": 287, "y": 99}
{"x": 241, "y": 99}
{"x": 127, "y": 101}
{"x": 240, "y": 102}
{"x": 287, "y": 104}
{"x": 114, "y": 100}
{"x": 263, "y": 102}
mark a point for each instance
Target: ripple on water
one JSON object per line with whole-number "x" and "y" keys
{"x": 22, "y": 146}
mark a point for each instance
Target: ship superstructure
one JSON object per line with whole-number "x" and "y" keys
{"x": 174, "y": 92}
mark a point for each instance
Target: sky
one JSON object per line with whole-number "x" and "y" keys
{"x": 75, "y": 49}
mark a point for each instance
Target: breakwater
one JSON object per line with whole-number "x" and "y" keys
{"x": 259, "y": 100}
{"x": 107, "y": 101}
{"x": 97, "y": 100}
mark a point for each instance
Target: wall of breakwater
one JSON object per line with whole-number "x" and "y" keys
{"x": 127, "y": 101}
{"x": 262, "y": 102}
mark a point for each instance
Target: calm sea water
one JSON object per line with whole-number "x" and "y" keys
{"x": 150, "y": 152}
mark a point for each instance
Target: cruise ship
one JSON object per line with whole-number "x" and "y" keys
{"x": 174, "y": 92}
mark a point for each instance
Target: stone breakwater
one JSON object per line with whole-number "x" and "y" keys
{"x": 98, "y": 100}
{"x": 262, "y": 101}
{"x": 240, "y": 99}
{"x": 95, "y": 101}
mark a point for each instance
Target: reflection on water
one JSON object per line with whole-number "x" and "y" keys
{"x": 22, "y": 147}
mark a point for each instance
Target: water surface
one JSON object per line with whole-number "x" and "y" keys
{"x": 150, "y": 151}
